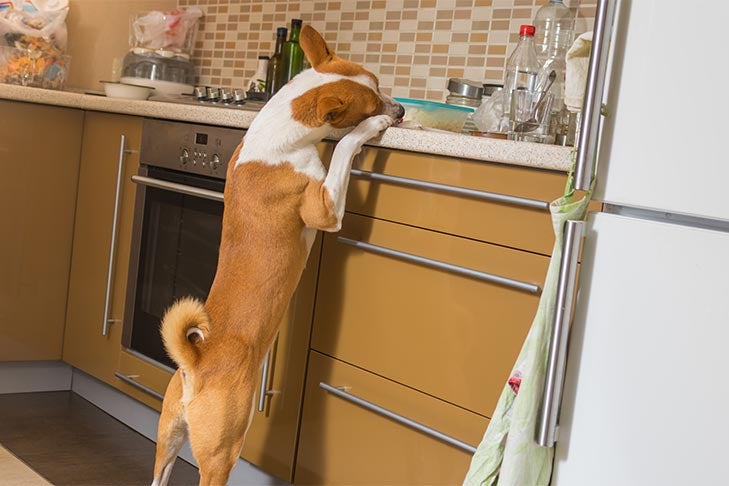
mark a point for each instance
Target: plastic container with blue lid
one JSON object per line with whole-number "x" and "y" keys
{"x": 438, "y": 116}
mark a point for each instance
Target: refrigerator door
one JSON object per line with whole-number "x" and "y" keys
{"x": 664, "y": 144}
{"x": 646, "y": 400}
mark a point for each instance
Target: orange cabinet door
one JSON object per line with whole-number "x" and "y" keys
{"x": 450, "y": 335}
{"x": 343, "y": 442}
{"x": 85, "y": 345}
{"x": 503, "y": 204}
{"x": 39, "y": 157}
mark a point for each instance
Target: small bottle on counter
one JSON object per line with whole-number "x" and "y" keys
{"x": 292, "y": 55}
{"x": 273, "y": 77}
{"x": 257, "y": 83}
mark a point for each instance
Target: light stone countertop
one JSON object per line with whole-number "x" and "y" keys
{"x": 541, "y": 156}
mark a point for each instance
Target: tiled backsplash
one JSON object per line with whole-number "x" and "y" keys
{"x": 414, "y": 46}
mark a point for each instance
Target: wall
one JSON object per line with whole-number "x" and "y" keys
{"x": 413, "y": 45}
{"x": 98, "y": 31}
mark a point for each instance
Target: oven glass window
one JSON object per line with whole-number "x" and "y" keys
{"x": 178, "y": 257}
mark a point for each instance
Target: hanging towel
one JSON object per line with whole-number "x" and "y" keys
{"x": 508, "y": 455}
{"x": 577, "y": 60}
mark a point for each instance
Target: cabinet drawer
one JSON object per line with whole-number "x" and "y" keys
{"x": 449, "y": 335}
{"x": 343, "y": 443}
{"x": 142, "y": 378}
{"x": 516, "y": 224}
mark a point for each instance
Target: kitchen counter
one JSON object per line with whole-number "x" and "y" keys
{"x": 541, "y": 156}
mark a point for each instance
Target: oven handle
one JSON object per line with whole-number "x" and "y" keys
{"x": 178, "y": 188}
{"x": 112, "y": 246}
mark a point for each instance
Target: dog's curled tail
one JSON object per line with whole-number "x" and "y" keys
{"x": 185, "y": 327}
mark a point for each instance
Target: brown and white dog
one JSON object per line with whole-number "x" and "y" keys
{"x": 277, "y": 195}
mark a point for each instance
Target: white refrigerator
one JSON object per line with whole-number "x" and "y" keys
{"x": 646, "y": 390}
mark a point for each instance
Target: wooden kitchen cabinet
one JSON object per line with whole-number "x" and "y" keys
{"x": 39, "y": 159}
{"x": 85, "y": 347}
{"x": 427, "y": 293}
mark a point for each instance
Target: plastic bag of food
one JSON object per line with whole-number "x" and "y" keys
{"x": 173, "y": 30}
{"x": 34, "y": 5}
{"x": 29, "y": 29}
{"x": 33, "y": 44}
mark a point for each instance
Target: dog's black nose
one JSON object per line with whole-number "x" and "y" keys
{"x": 400, "y": 112}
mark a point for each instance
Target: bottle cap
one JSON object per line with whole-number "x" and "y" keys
{"x": 527, "y": 30}
{"x": 282, "y": 31}
{"x": 295, "y": 23}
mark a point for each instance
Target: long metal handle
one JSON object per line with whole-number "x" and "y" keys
{"x": 448, "y": 267}
{"x": 546, "y": 430}
{"x": 178, "y": 188}
{"x": 461, "y": 191}
{"x": 112, "y": 247}
{"x": 131, "y": 381}
{"x": 592, "y": 103}
{"x": 264, "y": 391}
{"x": 398, "y": 418}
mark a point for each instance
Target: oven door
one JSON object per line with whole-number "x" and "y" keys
{"x": 174, "y": 254}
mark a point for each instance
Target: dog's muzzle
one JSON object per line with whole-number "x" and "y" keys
{"x": 392, "y": 108}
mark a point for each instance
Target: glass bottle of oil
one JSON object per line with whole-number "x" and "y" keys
{"x": 292, "y": 55}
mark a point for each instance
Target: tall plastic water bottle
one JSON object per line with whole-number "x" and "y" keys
{"x": 555, "y": 24}
{"x": 522, "y": 69}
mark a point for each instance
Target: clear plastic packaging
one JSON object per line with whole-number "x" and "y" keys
{"x": 167, "y": 32}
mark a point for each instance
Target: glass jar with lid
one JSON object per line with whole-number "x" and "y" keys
{"x": 464, "y": 92}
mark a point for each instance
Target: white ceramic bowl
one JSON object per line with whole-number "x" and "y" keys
{"x": 114, "y": 89}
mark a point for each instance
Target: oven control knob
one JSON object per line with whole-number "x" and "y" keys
{"x": 215, "y": 162}
{"x": 184, "y": 157}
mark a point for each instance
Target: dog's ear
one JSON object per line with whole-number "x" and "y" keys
{"x": 314, "y": 46}
{"x": 329, "y": 108}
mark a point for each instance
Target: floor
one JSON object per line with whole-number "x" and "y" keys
{"x": 66, "y": 440}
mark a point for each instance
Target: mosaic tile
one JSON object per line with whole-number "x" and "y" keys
{"x": 414, "y": 46}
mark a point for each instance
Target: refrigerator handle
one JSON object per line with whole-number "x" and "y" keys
{"x": 592, "y": 102}
{"x": 546, "y": 429}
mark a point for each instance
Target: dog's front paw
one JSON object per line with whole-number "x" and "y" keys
{"x": 371, "y": 127}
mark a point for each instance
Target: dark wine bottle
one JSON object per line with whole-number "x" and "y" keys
{"x": 273, "y": 77}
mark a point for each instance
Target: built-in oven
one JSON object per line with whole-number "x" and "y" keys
{"x": 177, "y": 224}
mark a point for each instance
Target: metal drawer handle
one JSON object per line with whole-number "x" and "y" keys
{"x": 448, "y": 267}
{"x": 546, "y": 429}
{"x": 461, "y": 191}
{"x": 592, "y": 103}
{"x": 131, "y": 381}
{"x": 264, "y": 391}
{"x": 398, "y": 418}
{"x": 112, "y": 247}
{"x": 178, "y": 188}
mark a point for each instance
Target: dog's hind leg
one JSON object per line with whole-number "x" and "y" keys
{"x": 171, "y": 433}
{"x": 218, "y": 422}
